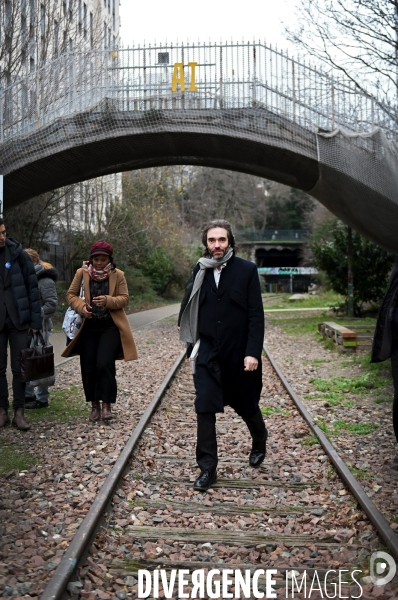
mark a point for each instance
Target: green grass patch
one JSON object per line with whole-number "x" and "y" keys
{"x": 359, "y": 473}
{"x": 348, "y": 403}
{"x": 13, "y": 456}
{"x": 341, "y": 426}
{"x": 270, "y": 410}
{"x": 357, "y": 428}
{"x": 63, "y": 405}
{"x": 357, "y": 385}
{"x": 394, "y": 518}
{"x": 310, "y": 440}
{"x": 382, "y": 369}
{"x": 301, "y": 326}
{"x": 382, "y": 399}
{"x": 328, "y": 298}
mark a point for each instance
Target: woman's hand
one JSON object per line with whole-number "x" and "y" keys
{"x": 100, "y": 301}
{"x": 87, "y": 314}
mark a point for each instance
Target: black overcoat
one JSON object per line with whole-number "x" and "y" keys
{"x": 230, "y": 327}
{"x": 382, "y": 340}
{"x": 24, "y": 286}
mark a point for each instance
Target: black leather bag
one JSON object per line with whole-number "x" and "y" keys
{"x": 37, "y": 361}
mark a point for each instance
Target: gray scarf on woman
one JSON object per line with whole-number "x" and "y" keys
{"x": 189, "y": 319}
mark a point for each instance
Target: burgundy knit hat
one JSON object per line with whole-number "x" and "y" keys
{"x": 101, "y": 248}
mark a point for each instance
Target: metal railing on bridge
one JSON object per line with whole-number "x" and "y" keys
{"x": 187, "y": 77}
{"x": 273, "y": 235}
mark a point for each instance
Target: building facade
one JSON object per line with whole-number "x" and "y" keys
{"x": 35, "y": 32}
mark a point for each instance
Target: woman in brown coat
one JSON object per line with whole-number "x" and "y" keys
{"x": 105, "y": 334}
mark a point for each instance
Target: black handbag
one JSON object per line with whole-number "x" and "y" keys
{"x": 37, "y": 361}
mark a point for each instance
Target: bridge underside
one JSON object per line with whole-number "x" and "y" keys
{"x": 253, "y": 141}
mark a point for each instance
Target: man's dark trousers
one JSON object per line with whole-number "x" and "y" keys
{"x": 206, "y": 447}
{"x": 18, "y": 341}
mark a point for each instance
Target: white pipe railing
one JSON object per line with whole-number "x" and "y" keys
{"x": 227, "y": 76}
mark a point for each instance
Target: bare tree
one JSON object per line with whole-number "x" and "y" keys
{"x": 356, "y": 37}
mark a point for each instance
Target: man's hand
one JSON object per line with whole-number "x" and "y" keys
{"x": 250, "y": 363}
{"x": 33, "y": 330}
{"x": 87, "y": 314}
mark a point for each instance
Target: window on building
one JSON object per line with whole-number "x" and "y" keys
{"x": 32, "y": 12}
{"x": 64, "y": 7}
{"x": 43, "y": 30}
{"x": 71, "y": 2}
{"x": 24, "y": 24}
{"x": 109, "y": 6}
{"x": 109, "y": 37}
{"x": 24, "y": 27}
{"x": 85, "y": 20}
{"x": 104, "y": 35}
{"x": 56, "y": 38}
{"x": 8, "y": 24}
{"x": 91, "y": 30}
{"x": 114, "y": 14}
{"x": 80, "y": 15}
{"x": 42, "y": 21}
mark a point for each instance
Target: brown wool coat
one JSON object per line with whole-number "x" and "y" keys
{"x": 118, "y": 298}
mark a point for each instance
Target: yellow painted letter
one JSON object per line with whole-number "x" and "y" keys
{"x": 178, "y": 77}
{"x": 192, "y": 87}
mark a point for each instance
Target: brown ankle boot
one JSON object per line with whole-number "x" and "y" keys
{"x": 106, "y": 411}
{"x": 95, "y": 411}
{"x": 4, "y": 419}
{"x": 19, "y": 420}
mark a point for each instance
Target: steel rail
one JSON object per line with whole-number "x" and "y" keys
{"x": 56, "y": 588}
{"x": 384, "y": 530}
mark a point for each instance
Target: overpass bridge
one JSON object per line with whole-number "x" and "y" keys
{"x": 273, "y": 247}
{"x": 238, "y": 106}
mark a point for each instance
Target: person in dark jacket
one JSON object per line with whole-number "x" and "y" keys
{"x": 19, "y": 312}
{"x": 222, "y": 308}
{"x": 47, "y": 275}
{"x": 385, "y": 340}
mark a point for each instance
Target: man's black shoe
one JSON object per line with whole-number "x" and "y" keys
{"x": 256, "y": 458}
{"x": 29, "y": 399}
{"x": 205, "y": 480}
{"x": 258, "y": 452}
{"x": 37, "y": 404}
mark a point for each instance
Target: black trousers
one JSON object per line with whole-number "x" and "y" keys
{"x": 98, "y": 345}
{"x": 394, "y": 369}
{"x": 206, "y": 445}
{"x": 18, "y": 341}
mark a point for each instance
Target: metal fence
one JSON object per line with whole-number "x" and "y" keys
{"x": 203, "y": 76}
{"x": 290, "y": 235}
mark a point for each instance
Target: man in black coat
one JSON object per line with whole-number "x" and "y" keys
{"x": 385, "y": 340}
{"x": 19, "y": 311}
{"x": 222, "y": 308}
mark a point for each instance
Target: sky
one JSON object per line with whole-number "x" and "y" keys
{"x": 179, "y": 20}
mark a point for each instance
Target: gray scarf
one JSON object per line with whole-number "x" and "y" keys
{"x": 189, "y": 319}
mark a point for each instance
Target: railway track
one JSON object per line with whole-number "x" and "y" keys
{"x": 301, "y": 512}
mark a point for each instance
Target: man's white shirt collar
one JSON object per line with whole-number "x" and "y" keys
{"x": 217, "y": 273}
